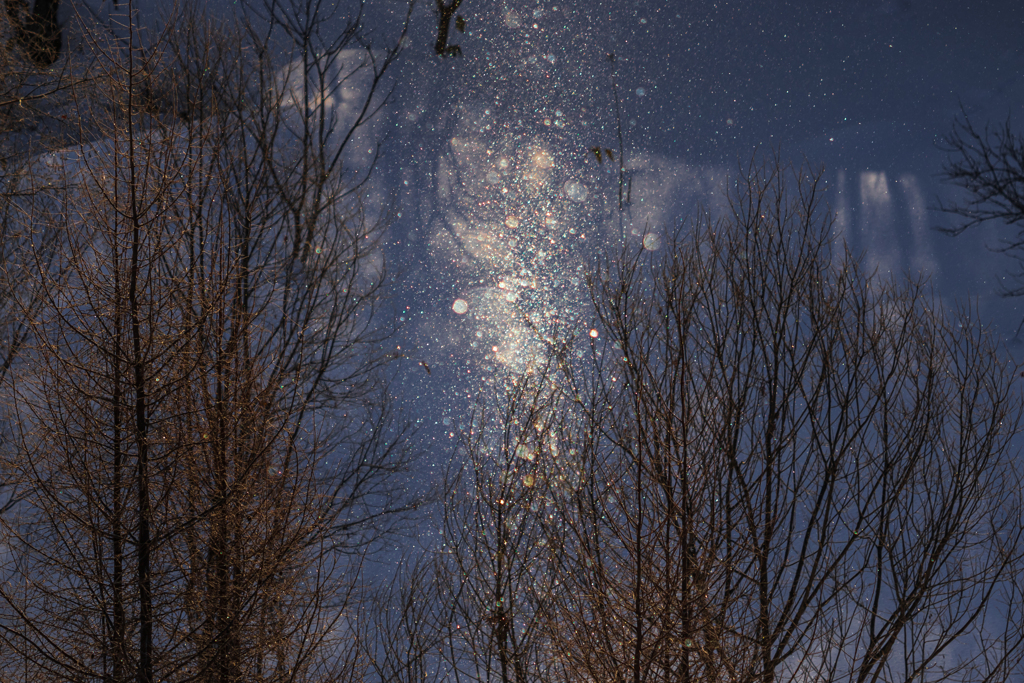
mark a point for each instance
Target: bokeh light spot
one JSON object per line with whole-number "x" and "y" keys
{"x": 575, "y": 190}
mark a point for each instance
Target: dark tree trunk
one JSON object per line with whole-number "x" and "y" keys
{"x": 445, "y": 14}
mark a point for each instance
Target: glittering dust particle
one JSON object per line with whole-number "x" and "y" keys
{"x": 524, "y": 452}
{"x": 574, "y": 190}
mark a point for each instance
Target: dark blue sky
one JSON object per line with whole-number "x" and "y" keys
{"x": 503, "y": 205}
{"x": 862, "y": 89}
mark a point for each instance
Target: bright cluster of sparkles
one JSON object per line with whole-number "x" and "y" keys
{"x": 524, "y": 204}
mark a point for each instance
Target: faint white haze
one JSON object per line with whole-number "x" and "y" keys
{"x": 511, "y": 341}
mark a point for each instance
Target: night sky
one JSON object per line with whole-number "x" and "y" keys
{"x": 502, "y": 206}
{"x": 862, "y": 90}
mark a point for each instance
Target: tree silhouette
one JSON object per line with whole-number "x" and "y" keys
{"x": 37, "y": 31}
{"x": 989, "y": 164}
{"x": 200, "y": 426}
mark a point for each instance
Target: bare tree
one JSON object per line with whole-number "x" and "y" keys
{"x": 790, "y": 472}
{"x": 30, "y": 99}
{"x": 30, "y": 102}
{"x": 203, "y": 432}
{"x": 402, "y": 629}
{"x": 989, "y": 164}
{"x": 498, "y": 567}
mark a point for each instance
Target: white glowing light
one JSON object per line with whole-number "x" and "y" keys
{"x": 524, "y": 452}
{"x": 542, "y": 158}
{"x": 460, "y": 306}
{"x": 651, "y": 241}
{"x": 593, "y": 334}
{"x": 575, "y": 190}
